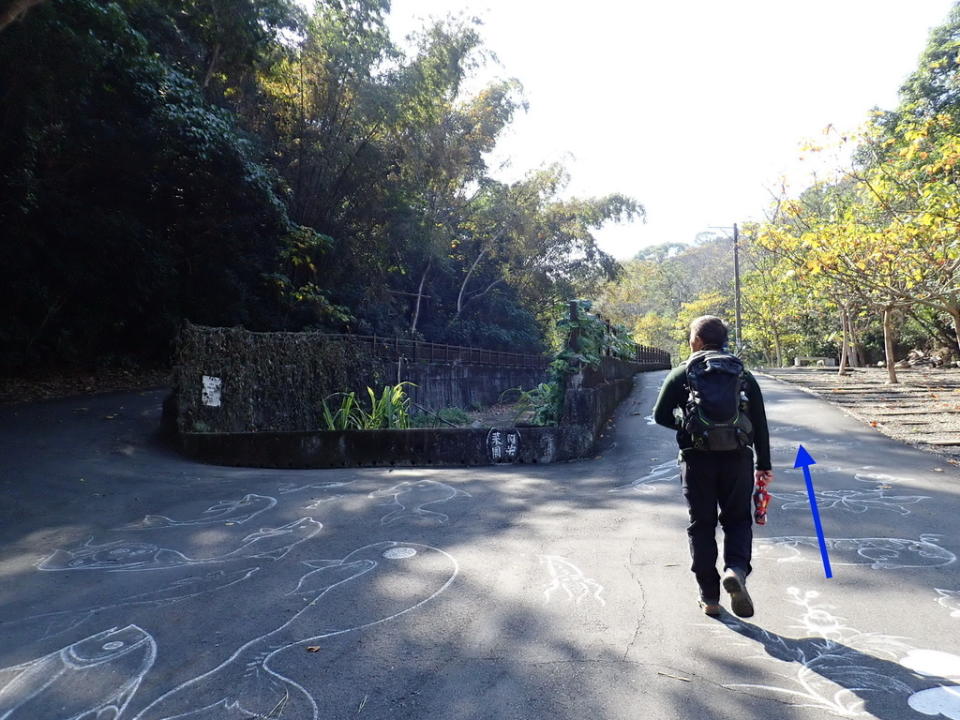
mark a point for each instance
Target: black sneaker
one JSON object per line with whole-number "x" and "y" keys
{"x": 735, "y": 583}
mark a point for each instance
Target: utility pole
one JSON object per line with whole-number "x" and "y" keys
{"x": 737, "y": 330}
{"x": 736, "y": 282}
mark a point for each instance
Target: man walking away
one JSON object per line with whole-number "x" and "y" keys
{"x": 716, "y": 408}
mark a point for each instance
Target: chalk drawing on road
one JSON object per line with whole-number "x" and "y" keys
{"x": 664, "y": 472}
{"x": 57, "y": 623}
{"x": 879, "y": 478}
{"x": 126, "y": 556}
{"x": 649, "y": 419}
{"x": 399, "y": 553}
{"x": 410, "y": 500}
{"x": 232, "y": 511}
{"x": 566, "y": 576}
{"x": 320, "y": 502}
{"x": 949, "y": 599}
{"x": 932, "y": 663}
{"x": 853, "y": 500}
{"x": 943, "y": 700}
{"x": 831, "y": 668}
{"x": 289, "y": 487}
{"x": 878, "y": 553}
{"x": 367, "y": 588}
{"x": 93, "y": 678}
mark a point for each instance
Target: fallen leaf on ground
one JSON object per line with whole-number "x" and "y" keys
{"x": 313, "y": 648}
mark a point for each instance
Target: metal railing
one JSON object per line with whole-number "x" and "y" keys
{"x": 394, "y": 348}
{"x": 652, "y": 356}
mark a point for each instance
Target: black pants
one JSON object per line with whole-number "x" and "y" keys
{"x": 712, "y": 481}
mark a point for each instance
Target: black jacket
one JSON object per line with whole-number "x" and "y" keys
{"x": 674, "y": 394}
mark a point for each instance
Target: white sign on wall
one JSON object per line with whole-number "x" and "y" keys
{"x": 210, "y": 395}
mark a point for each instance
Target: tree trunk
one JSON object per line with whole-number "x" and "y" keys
{"x": 888, "y": 345}
{"x": 856, "y": 354}
{"x": 779, "y": 349}
{"x": 856, "y": 347}
{"x": 463, "y": 285}
{"x": 955, "y": 314}
{"x": 416, "y": 306}
{"x": 211, "y": 66}
{"x": 844, "y": 341}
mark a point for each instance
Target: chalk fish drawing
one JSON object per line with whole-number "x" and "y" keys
{"x": 411, "y": 499}
{"x": 834, "y": 653}
{"x": 878, "y": 553}
{"x": 232, "y": 511}
{"x": 664, "y": 472}
{"x": 123, "y": 555}
{"x": 854, "y": 501}
{"x": 93, "y": 679}
{"x": 56, "y": 623}
{"x": 319, "y": 503}
{"x": 566, "y": 576}
{"x": 343, "y": 595}
{"x": 288, "y": 487}
{"x": 950, "y": 599}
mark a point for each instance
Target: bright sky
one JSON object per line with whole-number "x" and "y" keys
{"x": 693, "y": 107}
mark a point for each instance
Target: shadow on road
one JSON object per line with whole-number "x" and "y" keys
{"x": 824, "y": 673}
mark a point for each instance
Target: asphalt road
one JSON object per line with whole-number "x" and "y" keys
{"x": 140, "y": 586}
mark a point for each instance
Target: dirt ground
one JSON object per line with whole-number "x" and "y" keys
{"x": 923, "y": 410}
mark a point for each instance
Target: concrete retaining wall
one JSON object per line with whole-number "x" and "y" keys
{"x": 586, "y": 411}
{"x": 230, "y": 380}
{"x": 465, "y": 386}
{"x": 253, "y": 400}
{"x": 359, "y": 448}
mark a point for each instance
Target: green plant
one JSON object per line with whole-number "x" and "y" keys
{"x": 390, "y": 410}
{"x": 344, "y": 417}
{"x": 454, "y": 416}
{"x": 451, "y": 416}
{"x": 545, "y": 401}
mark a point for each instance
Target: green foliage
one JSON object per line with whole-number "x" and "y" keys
{"x": 544, "y": 403}
{"x": 445, "y": 417}
{"x": 346, "y": 416}
{"x": 454, "y": 416}
{"x": 261, "y": 165}
{"x": 132, "y": 201}
{"x": 389, "y": 411}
